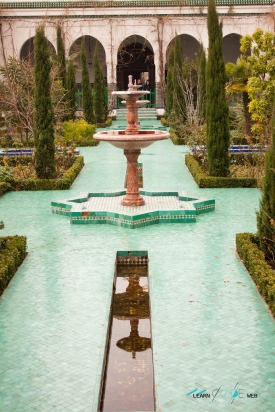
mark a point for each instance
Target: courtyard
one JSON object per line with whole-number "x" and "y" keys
{"x": 211, "y": 329}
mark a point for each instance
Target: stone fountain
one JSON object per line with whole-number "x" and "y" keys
{"x": 129, "y": 208}
{"x": 132, "y": 140}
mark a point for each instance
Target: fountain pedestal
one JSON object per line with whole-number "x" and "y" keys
{"x": 132, "y": 116}
{"x": 131, "y": 140}
{"x": 132, "y": 197}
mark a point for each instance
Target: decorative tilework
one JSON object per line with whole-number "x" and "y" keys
{"x": 160, "y": 207}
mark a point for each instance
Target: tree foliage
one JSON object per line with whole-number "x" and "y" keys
{"x": 17, "y": 95}
{"x": 44, "y": 114}
{"x": 87, "y": 97}
{"x": 201, "y": 86}
{"x": 178, "y": 100}
{"x": 61, "y": 57}
{"x": 238, "y": 75}
{"x": 71, "y": 90}
{"x": 99, "y": 90}
{"x": 216, "y": 105}
{"x": 170, "y": 81}
{"x": 261, "y": 82}
{"x": 266, "y": 214}
{"x": 185, "y": 97}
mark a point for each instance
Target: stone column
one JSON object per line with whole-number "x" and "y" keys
{"x": 132, "y": 197}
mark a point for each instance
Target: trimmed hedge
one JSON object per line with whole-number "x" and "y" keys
{"x": 205, "y": 181}
{"x": 175, "y": 139}
{"x": 12, "y": 254}
{"x": 254, "y": 260}
{"x": 52, "y": 184}
{"x": 3, "y": 188}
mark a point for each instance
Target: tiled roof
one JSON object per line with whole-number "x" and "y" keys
{"x": 127, "y": 3}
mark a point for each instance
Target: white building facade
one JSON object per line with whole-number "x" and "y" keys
{"x": 132, "y": 36}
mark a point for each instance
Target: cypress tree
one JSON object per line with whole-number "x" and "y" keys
{"x": 99, "y": 90}
{"x": 87, "y": 97}
{"x": 178, "y": 102}
{"x": 201, "y": 84}
{"x": 170, "y": 83}
{"x": 216, "y": 105}
{"x": 44, "y": 115}
{"x": 71, "y": 88}
{"x": 61, "y": 57}
{"x": 266, "y": 214}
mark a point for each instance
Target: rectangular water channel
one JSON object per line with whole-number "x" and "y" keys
{"x": 128, "y": 374}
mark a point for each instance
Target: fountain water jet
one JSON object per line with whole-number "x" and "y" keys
{"x": 132, "y": 140}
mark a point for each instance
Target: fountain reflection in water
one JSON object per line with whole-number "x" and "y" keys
{"x": 129, "y": 375}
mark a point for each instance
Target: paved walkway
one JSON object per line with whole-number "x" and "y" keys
{"x": 210, "y": 328}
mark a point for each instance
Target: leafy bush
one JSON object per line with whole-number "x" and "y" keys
{"x": 196, "y": 136}
{"x": 254, "y": 260}
{"x": 205, "y": 181}
{"x": 6, "y": 141}
{"x": 13, "y": 161}
{"x": 79, "y": 132}
{"x": 6, "y": 176}
{"x": 12, "y": 254}
{"x": 181, "y": 129}
{"x": 109, "y": 122}
{"x": 163, "y": 121}
{"x": 3, "y": 188}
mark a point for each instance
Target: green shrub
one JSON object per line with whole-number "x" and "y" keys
{"x": 3, "y": 188}
{"x": 12, "y": 161}
{"x": 79, "y": 132}
{"x": 254, "y": 260}
{"x": 12, "y": 254}
{"x": 8, "y": 142}
{"x": 205, "y": 181}
{"x": 109, "y": 122}
{"x": 6, "y": 176}
{"x": 163, "y": 121}
{"x": 52, "y": 184}
{"x": 175, "y": 139}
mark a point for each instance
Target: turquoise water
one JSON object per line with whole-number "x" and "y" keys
{"x": 207, "y": 333}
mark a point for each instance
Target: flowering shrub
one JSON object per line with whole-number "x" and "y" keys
{"x": 78, "y": 132}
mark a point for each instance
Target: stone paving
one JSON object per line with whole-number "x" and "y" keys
{"x": 210, "y": 327}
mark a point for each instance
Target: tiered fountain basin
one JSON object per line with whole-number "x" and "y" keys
{"x": 107, "y": 208}
{"x": 132, "y": 208}
{"x": 137, "y": 141}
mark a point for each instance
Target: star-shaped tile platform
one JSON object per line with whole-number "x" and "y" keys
{"x": 160, "y": 207}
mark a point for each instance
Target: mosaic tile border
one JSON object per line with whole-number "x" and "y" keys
{"x": 133, "y": 217}
{"x": 139, "y": 257}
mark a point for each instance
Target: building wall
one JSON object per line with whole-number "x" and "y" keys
{"x": 110, "y": 26}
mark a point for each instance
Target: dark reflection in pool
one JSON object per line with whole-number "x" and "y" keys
{"x": 129, "y": 375}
